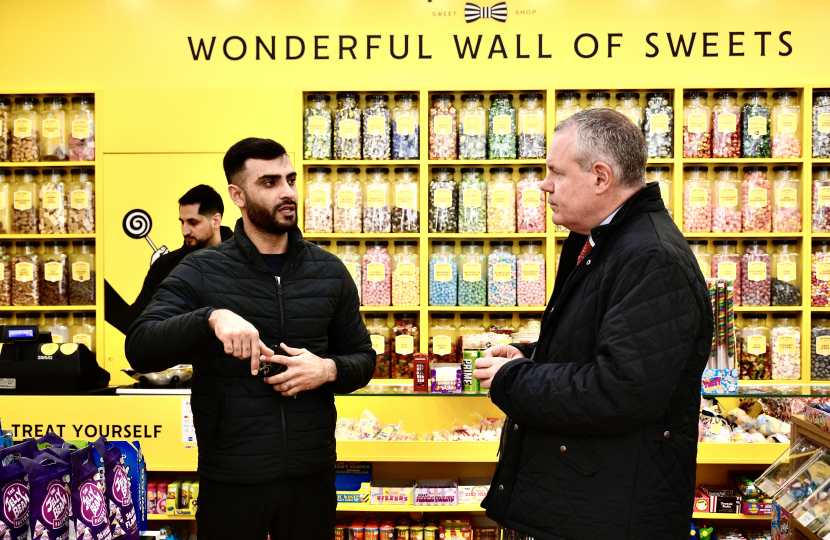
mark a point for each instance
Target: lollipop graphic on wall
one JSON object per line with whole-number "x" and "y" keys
{"x": 137, "y": 224}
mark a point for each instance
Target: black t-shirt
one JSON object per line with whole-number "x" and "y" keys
{"x": 276, "y": 262}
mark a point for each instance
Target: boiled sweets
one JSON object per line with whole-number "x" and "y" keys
{"x": 726, "y": 204}
{"x": 785, "y": 344}
{"x": 472, "y": 274}
{"x": 755, "y": 274}
{"x": 697, "y": 200}
{"x": 726, "y": 126}
{"x": 531, "y": 126}
{"x": 821, "y": 124}
{"x": 501, "y": 201}
{"x": 405, "y": 214}
{"x": 53, "y": 142}
{"x": 443, "y": 200}
{"x": 377, "y": 209}
{"x": 697, "y": 129}
{"x": 347, "y": 124}
{"x": 756, "y": 358}
{"x": 317, "y": 128}
{"x": 786, "y": 140}
{"x": 406, "y": 341}
{"x": 443, "y": 128}
{"x": 406, "y": 127}
{"x": 472, "y": 207}
{"x": 821, "y": 198}
{"x": 318, "y": 201}
{"x": 443, "y": 274}
{"x": 349, "y": 253}
{"x": 377, "y": 274}
{"x": 501, "y": 139}
{"x": 377, "y": 121}
{"x": 786, "y": 188}
{"x": 501, "y": 274}
{"x": 820, "y": 273}
{"x": 659, "y": 125}
{"x": 757, "y": 200}
{"x": 81, "y": 129}
{"x": 530, "y": 200}
{"x": 820, "y": 348}
{"x": 406, "y": 275}
{"x": 348, "y": 201}
{"x": 530, "y": 266}
{"x": 755, "y": 126}
{"x": 472, "y": 127}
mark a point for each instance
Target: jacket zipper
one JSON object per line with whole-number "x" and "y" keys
{"x": 282, "y": 401}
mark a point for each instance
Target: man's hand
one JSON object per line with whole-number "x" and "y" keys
{"x": 486, "y": 368}
{"x": 240, "y": 338}
{"x": 306, "y": 371}
{"x": 503, "y": 350}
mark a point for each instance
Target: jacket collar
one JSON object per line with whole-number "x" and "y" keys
{"x": 647, "y": 199}
{"x": 226, "y": 233}
{"x": 296, "y": 245}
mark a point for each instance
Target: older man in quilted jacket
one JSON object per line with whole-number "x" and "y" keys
{"x": 601, "y": 436}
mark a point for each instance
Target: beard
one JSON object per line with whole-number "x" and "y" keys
{"x": 270, "y": 220}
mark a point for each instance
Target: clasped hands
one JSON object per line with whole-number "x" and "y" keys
{"x": 492, "y": 361}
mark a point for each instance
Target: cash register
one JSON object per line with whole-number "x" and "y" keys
{"x": 31, "y": 364}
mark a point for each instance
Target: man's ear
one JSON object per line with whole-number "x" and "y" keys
{"x": 216, "y": 220}
{"x": 604, "y": 177}
{"x": 236, "y": 195}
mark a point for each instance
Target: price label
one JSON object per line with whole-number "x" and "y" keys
{"x": 698, "y": 197}
{"x": 635, "y": 119}
{"x": 756, "y": 344}
{"x": 346, "y": 199}
{"x": 378, "y": 344}
{"x": 442, "y": 272}
{"x": 786, "y": 271}
{"x": 22, "y": 200}
{"x": 727, "y": 122}
{"x": 316, "y": 124}
{"x": 823, "y": 345}
{"x": 442, "y": 125}
{"x": 51, "y": 199}
{"x": 530, "y": 271}
{"x": 659, "y": 123}
{"x": 824, "y": 196}
{"x": 51, "y": 128}
{"x": 80, "y": 129}
{"x": 472, "y": 125}
{"x": 806, "y": 518}
{"x": 561, "y": 117}
{"x": 79, "y": 199}
{"x": 728, "y": 196}
{"x": 727, "y": 270}
{"x": 757, "y": 197}
{"x": 532, "y": 198}
{"x": 823, "y": 124}
{"x": 406, "y": 271}
{"x": 348, "y": 129}
{"x": 376, "y": 125}
{"x": 757, "y": 126}
{"x": 442, "y": 198}
{"x": 697, "y": 123}
{"x": 80, "y": 271}
{"x": 405, "y": 198}
{"x": 53, "y": 271}
{"x": 501, "y": 198}
{"x": 502, "y": 272}
{"x": 787, "y": 122}
{"x": 787, "y": 197}
{"x": 376, "y": 198}
{"x": 472, "y": 198}
{"x": 532, "y": 123}
{"x": 472, "y": 272}
{"x": 823, "y": 271}
{"x": 375, "y": 272}
{"x": 785, "y": 345}
{"x": 318, "y": 198}
{"x": 82, "y": 339}
{"x": 756, "y": 271}
{"x": 501, "y": 125}
{"x": 441, "y": 345}
{"x": 405, "y": 125}
{"x": 404, "y": 345}
{"x": 22, "y": 128}
{"x": 24, "y": 272}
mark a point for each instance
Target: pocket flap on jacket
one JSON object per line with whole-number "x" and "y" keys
{"x": 578, "y": 455}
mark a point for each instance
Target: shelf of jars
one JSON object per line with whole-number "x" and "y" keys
{"x": 484, "y": 309}
{"x": 49, "y": 164}
{"x": 484, "y": 236}
{"x": 506, "y": 162}
{"x": 730, "y": 517}
{"x": 46, "y": 308}
{"x": 742, "y": 161}
{"x": 743, "y": 235}
{"x": 361, "y": 236}
{"x": 765, "y": 309}
{"x": 333, "y": 163}
{"x": 42, "y": 237}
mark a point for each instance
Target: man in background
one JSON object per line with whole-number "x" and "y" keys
{"x": 200, "y": 213}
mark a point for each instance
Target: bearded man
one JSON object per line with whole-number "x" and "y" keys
{"x": 272, "y": 326}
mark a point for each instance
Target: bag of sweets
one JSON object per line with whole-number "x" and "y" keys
{"x": 117, "y": 488}
{"x": 50, "y": 500}
{"x": 14, "y": 491}
{"x": 89, "y": 505}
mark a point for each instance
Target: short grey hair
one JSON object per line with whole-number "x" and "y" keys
{"x": 610, "y": 137}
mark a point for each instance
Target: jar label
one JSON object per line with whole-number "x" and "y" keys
{"x": 345, "y": 199}
{"x": 352, "y": 268}
{"x": 823, "y": 271}
{"x": 727, "y": 122}
{"x": 532, "y": 123}
{"x": 376, "y": 125}
{"x": 787, "y": 197}
{"x": 823, "y": 345}
{"x": 79, "y": 199}
{"x": 635, "y": 118}
{"x": 53, "y": 271}
{"x": 698, "y": 197}
{"x": 316, "y": 124}
{"x": 501, "y": 124}
{"x": 697, "y": 123}
{"x": 756, "y": 271}
{"x": 823, "y": 124}
{"x": 57, "y": 339}
{"x": 785, "y": 345}
{"x": 727, "y": 270}
{"x": 757, "y": 126}
{"x": 502, "y": 272}
{"x": 757, "y": 197}
{"x": 51, "y": 199}
{"x": 82, "y": 339}
{"x": 376, "y": 198}
{"x": 472, "y": 125}
{"x": 24, "y": 272}
{"x": 472, "y": 198}
{"x": 22, "y": 128}
{"x": 69, "y": 348}
{"x": 756, "y": 344}
{"x": 704, "y": 268}
{"x": 532, "y": 198}
{"x": 22, "y": 200}
{"x": 664, "y": 194}
{"x": 442, "y": 272}
{"x": 406, "y": 271}
{"x": 405, "y": 198}
{"x": 405, "y": 125}
{"x": 659, "y": 123}
{"x": 824, "y": 196}
{"x": 787, "y": 122}
{"x": 317, "y": 198}
{"x": 472, "y": 272}
{"x": 441, "y": 345}
{"x": 786, "y": 271}
{"x": 375, "y": 272}
{"x": 378, "y": 344}
{"x": 442, "y": 124}
{"x": 2, "y": 195}
{"x": 80, "y": 271}
{"x": 501, "y": 198}
{"x": 80, "y": 129}
{"x": 51, "y": 128}
{"x": 530, "y": 271}
{"x": 404, "y": 345}
{"x": 348, "y": 129}
{"x": 728, "y": 196}
{"x": 442, "y": 198}
{"x": 561, "y": 117}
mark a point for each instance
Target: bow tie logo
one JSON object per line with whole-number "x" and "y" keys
{"x": 498, "y": 12}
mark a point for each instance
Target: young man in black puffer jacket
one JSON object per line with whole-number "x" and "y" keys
{"x": 273, "y": 328}
{"x": 601, "y": 436}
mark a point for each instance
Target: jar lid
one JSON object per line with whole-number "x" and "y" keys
{"x": 531, "y": 95}
{"x": 531, "y": 169}
{"x": 58, "y": 243}
{"x": 501, "y": 243}
{"x": 6, "y": 315}
{"x": 354, "y": 170}
{"x": 448, "y": 170}
{"x": 823, "y": 168}
{"x": 481, "y": 315}
{"x": 695, "y": 94}
{"x": 755, "y": 242}
{"x": 348, "y": 243}
{"x": 377, "y": 243}
{"x": 785, "y": 242}
{"x": 755, "y": 315}
{"x": 530, "y": 315}
{"x": 406, "y": 242}
{"x": 721, "y": 95}
{"x": 406, "y": 315}
{"x": 725, "y": 243}
{"x": 821, "y": 93}
{"x": 27, "y": 244}
{"x": 30, "y": 315}
{"x": 83, "y": 99}
{"x": 32, "y": 100}
{"x": 494, "y": 97}
{"x": 57, "y": 315}
{"x": 22, "y": 172}
{"x": 377, "y": 315}
{"x": 568, "y": 95}
{"x": 315, "y": 97}
{"x": 530, "y": 242}
{"x": 5, "y": 172}
{"x": 87, "y": 314}
{"x": 821, "y": 242}
{"x": 560, "y": 242}
{"x": 406, "y": 169}
{"x": 315, "y": 170}
{"x": 470, "y": 97}
{"x": 443, "y": 242}
{"x": 726, "y": 168}
{"x": 785, "y": 168}
{"x": 472, "y": 242}
{"x": 6, "y": 244}
{"x": 413, "y": 97}
{"x": 756, "y": 168}
{"x": 83, "y": 243}
{"x": 784, "y": 315}
{"x": 47, "y": 172}
{"x": 748, "y": 95}
{"x": 501, "y": 316}
{"x": 480, "y": 170}
{"x": 5, "y": 101}
{"x": 658, "y": 168}
{"x": 449, "y": 97}
{"x": 84, "y": 171}
{"x": 698, "y": 242}
{"x": 377, "y": 170}
{"x": 598, "y": 95}
{"x": 347, "y": 95}
{"x": 321, "y": 242}
{"x": 696, "y": 168}
{"x": 55, "y": 100}
{"x": 376, "y": 97}
{"x": 628, "y": 95}
{"x": 664, "y": 95}
{"x": 501, "y": 170}
{"x": 784, "y": 93}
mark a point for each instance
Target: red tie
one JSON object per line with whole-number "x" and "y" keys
{"x": 585, "y": 249}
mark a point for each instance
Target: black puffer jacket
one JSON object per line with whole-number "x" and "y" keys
{"x": 601, "y": 440}
{"x": 246, "y": 431}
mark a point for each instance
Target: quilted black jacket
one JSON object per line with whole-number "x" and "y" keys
{"x": 601, "y": 437}
{"x": 246, "y": 431}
